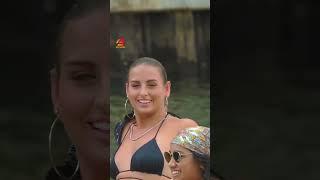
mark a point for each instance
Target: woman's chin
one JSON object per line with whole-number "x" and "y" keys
{"x": 145, "y": 111}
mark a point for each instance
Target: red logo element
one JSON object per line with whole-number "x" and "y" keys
{"x": 121, "y": 43}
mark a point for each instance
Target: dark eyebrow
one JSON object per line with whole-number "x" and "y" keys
{"x": 148, "y": 81}
{"x": 134, "y": 81}
{"x": 152, "y": 80}
{"x": 85, "y": 63}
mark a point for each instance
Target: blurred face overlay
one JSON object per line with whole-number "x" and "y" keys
{"x": 146, "y": 89}
{"x": 80, "y": 89}
{"x": 183, "y": 165}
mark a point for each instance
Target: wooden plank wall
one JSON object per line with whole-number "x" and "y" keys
{"x": 179, "y": 39}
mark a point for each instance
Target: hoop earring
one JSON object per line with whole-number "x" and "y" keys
{"x": 125, "y": 107}
{"x": 166, "y": 102}
{"x": 51, "y": 156}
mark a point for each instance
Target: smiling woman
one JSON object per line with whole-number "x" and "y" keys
{"x": 147, "y": 131}
{"x": 79, "y": 90}
{"x": 189, "y": 155}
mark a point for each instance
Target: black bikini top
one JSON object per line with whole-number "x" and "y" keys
{"x": 148, "y": 158}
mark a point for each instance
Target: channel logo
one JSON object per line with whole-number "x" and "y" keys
{"x": 121, "y": 43}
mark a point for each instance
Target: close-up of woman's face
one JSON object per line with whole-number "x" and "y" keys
{"x": 188, "y": 168}
{"x": 146, "y": 89}
{"x": 80, "y": 89}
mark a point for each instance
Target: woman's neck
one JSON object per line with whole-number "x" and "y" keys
{"x": 147, "y": 120}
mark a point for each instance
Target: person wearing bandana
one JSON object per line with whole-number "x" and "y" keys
{"x": 189, "y": 155}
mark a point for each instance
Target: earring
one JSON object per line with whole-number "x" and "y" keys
{"x": 166, "y": 102}
{"x": 125, "y": 107}
{"x": 50, "y": 152}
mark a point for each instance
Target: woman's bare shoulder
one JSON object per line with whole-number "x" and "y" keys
{"x": 183, "y": 122}
{"x": 189, "y": 122}
{"x": 175, "y": 125}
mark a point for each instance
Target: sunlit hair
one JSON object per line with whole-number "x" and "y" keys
{"x": 151, "y": 62}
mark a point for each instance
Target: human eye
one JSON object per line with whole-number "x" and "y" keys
{"x": 135, "y": 85}
{"x": 152, "y": 84}
{"x": 83, "y": 76}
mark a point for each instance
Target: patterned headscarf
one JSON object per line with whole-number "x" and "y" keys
{"x": 195, "y": 139}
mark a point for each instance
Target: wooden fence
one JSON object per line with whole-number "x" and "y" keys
{"x": 179, "y": 38}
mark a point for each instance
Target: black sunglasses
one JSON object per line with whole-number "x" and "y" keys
{"x": 177, "y": 156}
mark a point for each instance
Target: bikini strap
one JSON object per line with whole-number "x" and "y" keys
{"x": 138, "y": 178}
{"x": 166, "y": 176}
{"x": 161, "y": 125}
{"x": 128, "y": 177}
{"x": 125, "y": 135}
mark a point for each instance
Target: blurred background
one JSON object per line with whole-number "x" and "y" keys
{"x": 177, "y": 33}
{"x": 266, "y": 89}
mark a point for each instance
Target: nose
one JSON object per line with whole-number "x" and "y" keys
{"x": 143, "y": 90}
{"x": 172, "y": 163}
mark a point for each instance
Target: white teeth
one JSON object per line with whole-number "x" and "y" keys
{"x": 144, "y": 101}
{"x": 174, "y": 173}
{"x": 101, "y": 125}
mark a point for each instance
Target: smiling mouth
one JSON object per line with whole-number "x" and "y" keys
{"x": 175, "y": 173}
{"x": 143, "y": 101}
